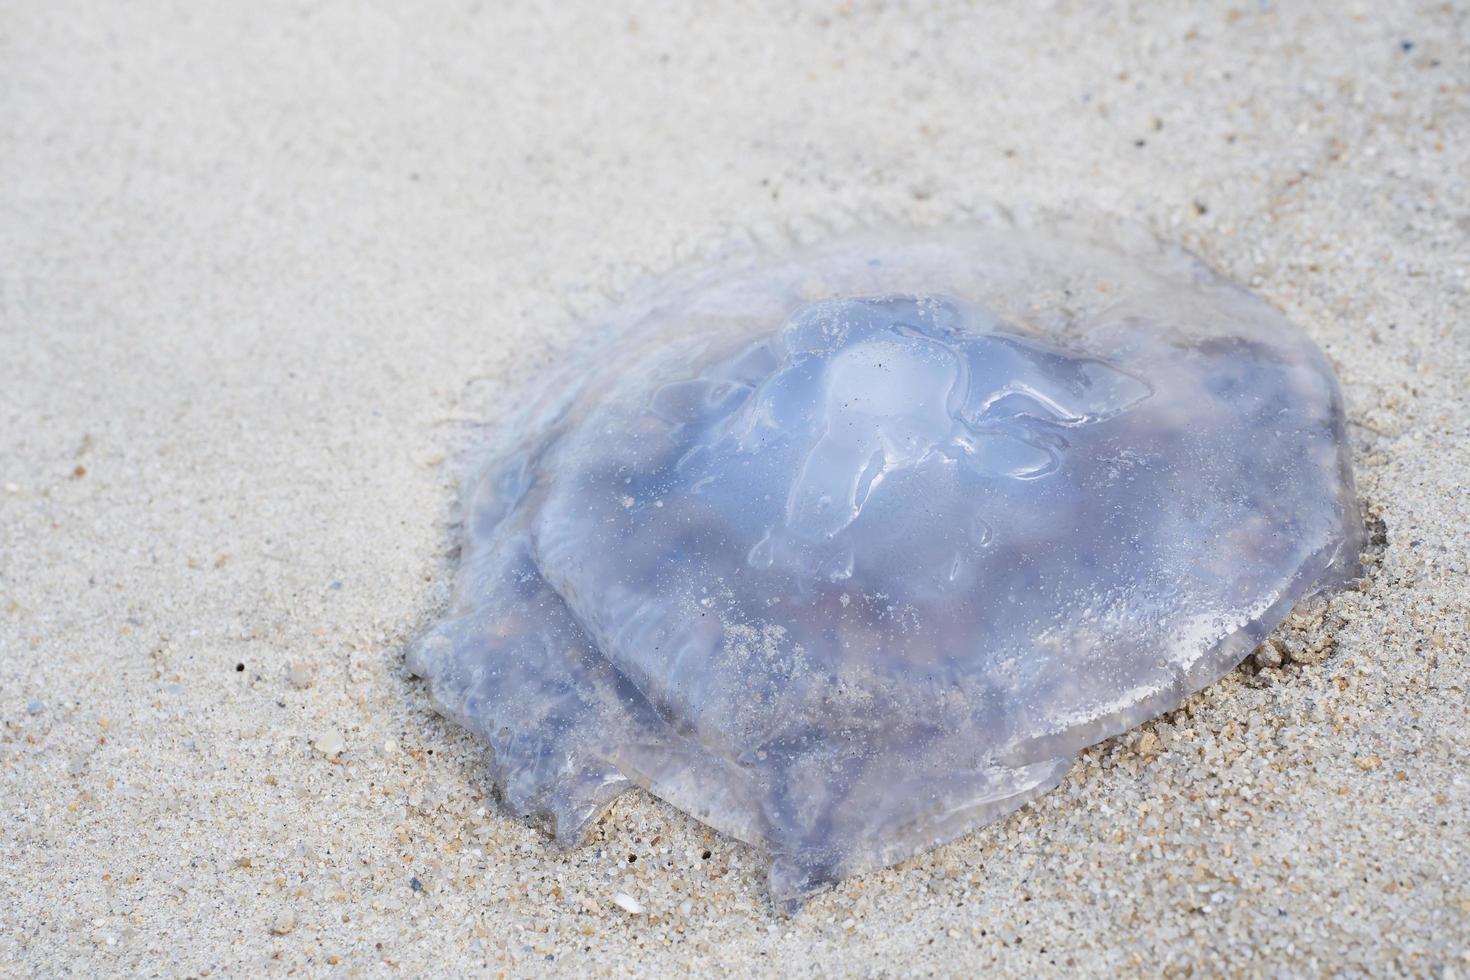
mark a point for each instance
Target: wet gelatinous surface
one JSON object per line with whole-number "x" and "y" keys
{"x": 848, "y": 550}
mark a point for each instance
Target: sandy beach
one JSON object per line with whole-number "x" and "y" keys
{"x": 256, "y": 260}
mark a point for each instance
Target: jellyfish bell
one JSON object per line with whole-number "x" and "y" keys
{"x": 849, "y": 549}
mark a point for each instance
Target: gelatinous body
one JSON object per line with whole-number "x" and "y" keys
{"x": 850, "y": 550}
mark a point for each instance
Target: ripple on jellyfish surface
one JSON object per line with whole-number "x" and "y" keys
{"x": 849, "y": 549}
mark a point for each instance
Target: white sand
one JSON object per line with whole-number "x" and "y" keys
{"x": 250, "y": 256}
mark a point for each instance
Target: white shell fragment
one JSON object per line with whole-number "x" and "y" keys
{"x": 628, "y": 903}
{"x": 850, "y": 550}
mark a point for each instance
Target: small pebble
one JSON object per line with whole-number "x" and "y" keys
{"x": 330, "y": 743}
{"x": 35, "y": 706}
{"x": 301, "y": 674}
{"x": 284, "y": 923}
{"x": 628, "y": 903}
{"x": 1150, "y": 745}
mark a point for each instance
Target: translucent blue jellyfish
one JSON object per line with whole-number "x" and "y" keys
{"x": 850, "y": 549}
